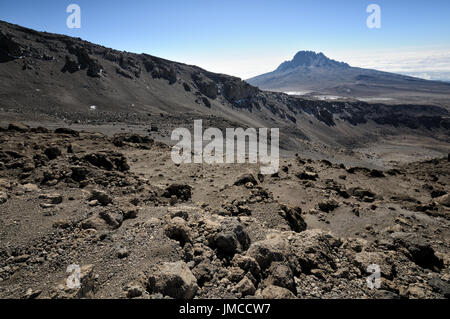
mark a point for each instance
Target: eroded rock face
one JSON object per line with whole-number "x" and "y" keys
{"x": 165, "y": 73}
{"x": 238, "y": 90}
{"x": 174, "y": 280}
{"x": 205, "y": 85}
{"x": 9, "y": 49}
{"x": 418, "y": 250}
{"x": 84, "y": 61}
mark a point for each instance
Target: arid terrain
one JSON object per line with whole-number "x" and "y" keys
{"x": 86, "y": 178}
{"x": 141, "y": 226}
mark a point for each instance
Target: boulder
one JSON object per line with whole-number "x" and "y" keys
{"x": 444, "y": 200}
{"x": 274, "y": 248}
{"x": 181, "y": 191}
{"x": 174, "y": 280}
{"x": 363, "y": 259}
{"x": 108, "y": 161}
{"x": 94, "y": 222}
{"x": 101, "y": 196}
{"x": 112, "y": 218}
{"x": 307, "y": 176}
{"x": 231, "y": 239}
{"x": 328, "y": 205}
{"x": 52, "y": 152}
{"x": 246, "y": 178}
{"x": 177, "y": 229}
{"x": 67, "y": 131}
{"x": 248, "y": 264}
{"x": 3, "y": 197}
{"x": 53, "y": 198}
{"x": 245, "y": 287}
{"x": 274, "y": 292}
{"x": 281, "y": 275}
{"x": 18, "y": 127}
{"x": 294, "y": 218}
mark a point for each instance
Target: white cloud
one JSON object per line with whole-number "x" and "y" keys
{"x": 431, "y": 64}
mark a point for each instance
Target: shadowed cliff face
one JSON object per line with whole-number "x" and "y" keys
{"x": 64, "y": 77}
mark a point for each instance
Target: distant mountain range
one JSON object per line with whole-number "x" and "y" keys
{"x": 315, "y": 74}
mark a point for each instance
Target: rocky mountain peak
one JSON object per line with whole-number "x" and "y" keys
{"x": 310, "y": 59}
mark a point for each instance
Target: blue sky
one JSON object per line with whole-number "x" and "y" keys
{"x": 247, "y": 37}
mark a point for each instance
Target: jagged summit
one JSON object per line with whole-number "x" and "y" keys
{"x": 310, "y": 59}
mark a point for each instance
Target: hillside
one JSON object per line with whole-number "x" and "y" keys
{"x": 58, "y": 78}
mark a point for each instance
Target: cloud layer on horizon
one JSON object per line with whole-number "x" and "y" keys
{"x": 426, "y": 64}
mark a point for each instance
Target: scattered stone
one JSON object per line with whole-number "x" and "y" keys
{"x": 112, "y": 218}
{"x": 307, "y": 176}
{"x": 123, "y": 253}
{"x": 328, "y": 205}
{"x": 100, "y": 196}
{"x": 52, "y": 153}
{"x": 30, "y": 188}
{"x": 3, "y": 197}
{"x": 181, "y": 191}
{"x": 53, "y": 198}
{"x": 31, "y": 294}
{"x": 376, "y": 173}
{"x": 246, "y": 178}
{"x": 135, "y": 291}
